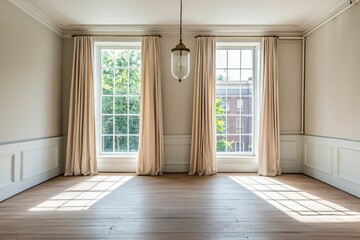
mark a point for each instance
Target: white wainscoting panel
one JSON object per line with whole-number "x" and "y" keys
{"x": 177, "y": 153}
{"x": 117, "y": 163}
{"x": 348, "y": 165}
{"x": 178, "y": 147}
{"x": 26, "y": 164}
{"x": 291, "y": 153}
{"x": 38, "y": 160}
{"x": 334, "y": 161}
{"x": 318, "y": 157}
{"x": 7, "y": 169}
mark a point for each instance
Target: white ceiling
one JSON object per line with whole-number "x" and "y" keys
{"x": 71, "y": 14}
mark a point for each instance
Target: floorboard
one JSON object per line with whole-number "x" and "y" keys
{"x": 179, "y": 206}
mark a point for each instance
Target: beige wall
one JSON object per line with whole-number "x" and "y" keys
{"x": 177, "y": 97}
{"x": 30, "y": 78}
{"x": 290, "y": 63}
{"x": 67, "y": 59}
{"x": 332, "y": 98}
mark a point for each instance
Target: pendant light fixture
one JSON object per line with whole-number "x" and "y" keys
{"x": 180, "y": 56}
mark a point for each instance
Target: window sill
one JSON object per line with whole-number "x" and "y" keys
{"x": 237, "y": 163}
{"x": 236, "y": 159}
{"x": 110, "y": 156}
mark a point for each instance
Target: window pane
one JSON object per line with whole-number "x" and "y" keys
{"x": 121, "y": 105}
{"x": 107, "y": 58}
{"x": 231, "y": 124}
{"x": 231, "y": 141}
{"x": 239, "y": 146}
{"x": 248, "y": 145}
{"x": 135, "y": 81}
{"x": 246, "y": 125}
{"x": 226, "y": 104}
{"x": 134, "y": 124}
{"x": 107, "y": 105}
{"x": 246, "y": 75}
{"x": 221, "y": 59}
{"x": 246, "y": 106}
{"x": 247, "y": 90}
{"x": 121, "y": 123}
{"x": 221, "y": 143}
{"x": 107, "y": 81}
{"x": 220, "y": 125}
{"x": 107, "y": 144}
{"x": 135, "y": 58}
{"x": 232, "y": 95}
{"x": 247, "y": 58}
{"x": 121, "y": 144}
{"x": 134, "y": 105}
{"x": 234, "y": 75}
{"x": 121, "y": 81}
{"x": 121, "y": 58}
{"x": 234, "y": 59}
{"x": 134, "y": 143}
{"x": 220, "y": 108}
{"x": 107, "y": 124}
{"x": 238, "y": 125}
{"x": 221, "y": 75}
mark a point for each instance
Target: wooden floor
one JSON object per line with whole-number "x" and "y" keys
{"x": 178, "y": 206}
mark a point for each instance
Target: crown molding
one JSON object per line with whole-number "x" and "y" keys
{"x": 243, "y": 30}
{"x": 44, "y": 15}
{"x": 39, "y": 13}
{"x": 324, "y": 14}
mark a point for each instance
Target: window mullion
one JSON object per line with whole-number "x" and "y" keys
{"x": 128, "y": 104}
{"x": 113, "y": 114}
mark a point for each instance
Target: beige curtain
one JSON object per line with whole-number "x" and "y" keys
{"x": 81, "y": 143}
{"x": 203, "y": 142}
{"x": 269, "y": 144}
{"x": 151, "y": 143}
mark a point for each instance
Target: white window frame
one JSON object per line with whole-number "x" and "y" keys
{"x": 111, "y": 161}
{"x": 225, "y": 161}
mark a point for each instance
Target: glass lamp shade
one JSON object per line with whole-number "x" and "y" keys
{"x": 180, "y": 62}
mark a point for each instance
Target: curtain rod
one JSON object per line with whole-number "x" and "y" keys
{"x": 197, "y": 36}
{"x": 251, "y": 36}
{"x": 88, "y": 35}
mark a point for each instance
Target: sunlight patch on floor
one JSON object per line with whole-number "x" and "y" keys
{"x": 302, "y": 206}
{"x": 83, "y": 195}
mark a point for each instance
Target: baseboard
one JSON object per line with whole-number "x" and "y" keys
{"x": 26, "y": 164}
{"x": 177, "y": 168}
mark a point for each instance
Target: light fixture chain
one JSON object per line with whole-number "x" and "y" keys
{"x": 180, "y": 20}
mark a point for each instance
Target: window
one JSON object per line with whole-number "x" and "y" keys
{"x": 239, "y": 126}
{"x": 236, "y": 70}
{"x": 119, "y": 98}
{"x": 239, "y": 147}
{"x": 240, "y": 105}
